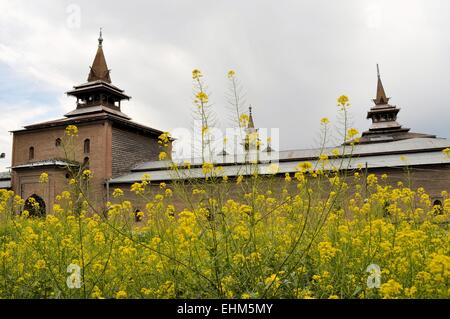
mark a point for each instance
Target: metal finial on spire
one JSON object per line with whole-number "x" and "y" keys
{"x": 100, "y": 38}
{"x": 250, "y": 110}
{"x": 99, "y": 69}
{"x": 378, "y": 71}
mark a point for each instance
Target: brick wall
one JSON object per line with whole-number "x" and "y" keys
{"x": 25, "y": 181}
{"x": 27, "y": 184}
{"x": 434, "y": 178}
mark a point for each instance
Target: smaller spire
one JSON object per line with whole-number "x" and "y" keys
{"x": 251, "y": 124}
{"x": 381, "y": 98}
{"x": 251, "y": 133}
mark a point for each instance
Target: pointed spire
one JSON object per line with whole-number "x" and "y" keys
{"x": 250, "y": 124}
{"x": 99, "y": 69}
{"x": 251, "y": 133}
{"x": 381, "y": 98}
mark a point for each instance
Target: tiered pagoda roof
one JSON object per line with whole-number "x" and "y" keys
{"x": 384, "y": 126}
{"x": 97, "y": 100}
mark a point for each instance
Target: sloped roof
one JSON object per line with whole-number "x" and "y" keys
{"x": 96, "y": 109}
{"x": 45, "y": 163}
{"x": 418, "y": 151}
{"x": 97, "y": 114}
{"x": 5, "y": 184}
{"x": 5, "y": 175}
{"x": 99, "y": 86}
{"x": 5, "y": 180}
{"x": 99, "y": 69}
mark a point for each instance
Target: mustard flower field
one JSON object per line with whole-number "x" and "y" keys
{"x": 296, "y": 244}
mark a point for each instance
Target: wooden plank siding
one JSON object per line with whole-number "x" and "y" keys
{"x": 131, "y": 148}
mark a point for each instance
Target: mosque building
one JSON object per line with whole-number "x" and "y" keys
{"x": 120, "y": 151}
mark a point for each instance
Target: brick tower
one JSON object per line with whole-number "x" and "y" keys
{"x": 108, "y": 142}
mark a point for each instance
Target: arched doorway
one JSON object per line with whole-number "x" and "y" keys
{"x": 437, "y": 207}
{"x": 35, "y": 206}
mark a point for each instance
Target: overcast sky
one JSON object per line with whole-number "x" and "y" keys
{"x": 294, "y": 59}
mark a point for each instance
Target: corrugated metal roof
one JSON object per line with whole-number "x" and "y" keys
{"x": 372, "y": 161}
{"x": 84, "y": 118}
{"x": 5, "y": 184}
{"x": 5, "y": 175}
{"x": 96, "y": 109}
{"x": 45, "y": 163}
{"x": 406, "y": 146}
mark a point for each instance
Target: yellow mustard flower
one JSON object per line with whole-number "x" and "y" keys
{"x": 324, "y": 121}
{"x": 43, "y": 179}
{"x": 343, "y": 101}
{"x": 87, "y": 174}
{"x": 352, "y": 132}
{"x": 162, "y": 156}
{"x": 121, "y": 294}
{"x": 71, "y": 130}
{"x": 207, "y": 168}
{"x": 202, "y": 97}
{"x": 196, "y": 74}
{"x": 117, "y": 193}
